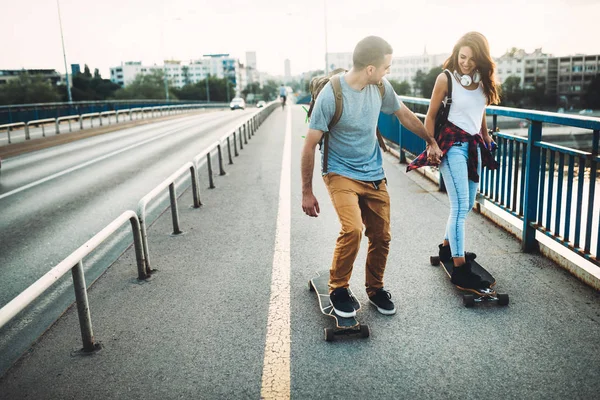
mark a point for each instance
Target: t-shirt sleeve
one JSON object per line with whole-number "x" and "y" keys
{"x": 390, "y": 103}
{"x": 323, "y": 110}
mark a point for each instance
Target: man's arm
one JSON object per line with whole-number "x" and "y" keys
{"x": 414, "y": 124}
{"x": 310, "y": 205}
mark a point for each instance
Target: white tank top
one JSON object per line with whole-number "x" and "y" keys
{"x": 467, "y": 107}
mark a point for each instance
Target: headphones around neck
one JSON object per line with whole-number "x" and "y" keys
{"x": 466, "y": 80}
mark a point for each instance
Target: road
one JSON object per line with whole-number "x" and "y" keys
{"x": 54, "y": 200}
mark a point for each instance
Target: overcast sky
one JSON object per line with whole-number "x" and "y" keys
{"x": 103, "y": 33}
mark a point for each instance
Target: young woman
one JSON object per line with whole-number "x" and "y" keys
{"x": 464, "y": 142}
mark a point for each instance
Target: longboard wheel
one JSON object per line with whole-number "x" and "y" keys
{"x": 310, "y": 286}
{"x": 365, "y": 332}
{"x": 503, "y": 299}
{"x": 434, "y": 260}
{"x": 468, "y": 300}
{"x": 329, "y": 335}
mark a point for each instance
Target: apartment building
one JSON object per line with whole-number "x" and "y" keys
{"x": 181, "y": 73}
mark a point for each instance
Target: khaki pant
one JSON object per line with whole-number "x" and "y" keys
{"x": 359, "y": 203}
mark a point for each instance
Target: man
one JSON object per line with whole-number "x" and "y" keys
{"x": 283, "y": 93}
{"x": 355, "y": 178}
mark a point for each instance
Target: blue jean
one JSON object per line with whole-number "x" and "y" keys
{"x": 461, "y": 192}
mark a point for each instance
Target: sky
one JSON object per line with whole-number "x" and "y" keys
{"x": 104, "y": 33}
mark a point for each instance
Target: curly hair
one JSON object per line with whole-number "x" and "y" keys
{"x": 486, "y": 66}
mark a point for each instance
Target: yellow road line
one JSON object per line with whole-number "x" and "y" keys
{"x": 276, "y": 365}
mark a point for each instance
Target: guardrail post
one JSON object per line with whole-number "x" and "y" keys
{"x": 241, "y": 142}
{"x": 8, "y": 133}
{"x": 210, "y": 172}
{"x": 195, "y": 188}
{"x": 229, "y": 150}
{"x": 139, "y": 248}
{"x": 83, "y": 308}
{"x": 245, "y": 139}
{"x": 27, "y": 131}
{"x": 81, "y": 122}
{"x": 57, "y": 128}
{"x": 235, "y": 150}
{"x": 174, "y": 209}
{"x": 221, "y": 170}
{"x": 532, "y": 181}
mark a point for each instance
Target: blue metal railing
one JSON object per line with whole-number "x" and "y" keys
{"x": 29, "y": 112}
{"x": 549, "y": 187}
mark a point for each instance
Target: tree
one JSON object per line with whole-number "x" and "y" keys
{"x": 270, "y": 90}
{"x": 87, "y": 88}
{"x": 418, "y": 82}
{"x": 401, "y": 88}
{"x": 428, "y": 82}
{"x": 144, "y": 86}
{"x": 218, "y": 88}
{"x": 27, "y": 89}
{"x": 591, "y": 98}
{"x": 512, "y": 94}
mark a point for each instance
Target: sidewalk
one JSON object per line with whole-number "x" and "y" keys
{"x": 197, "y": 329}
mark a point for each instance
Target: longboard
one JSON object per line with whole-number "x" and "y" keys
{"x": 474, "y": 296}
{"x": 343, "y": 326}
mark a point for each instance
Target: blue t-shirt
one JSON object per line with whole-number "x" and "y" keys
{"x": 282, "y": 91}
{"x": 354, "y": 151}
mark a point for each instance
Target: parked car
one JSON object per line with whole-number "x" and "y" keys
{"x": 261, "y": 104}
{"x": 237, "y": 102}
{"x": 585, "y": 111}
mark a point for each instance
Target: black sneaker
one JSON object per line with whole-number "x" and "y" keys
{"x": 382, "y": 300}
{"x": 446, "y": 255}
{"x": 342, "y": 303}
{"x": 464, "y": 278}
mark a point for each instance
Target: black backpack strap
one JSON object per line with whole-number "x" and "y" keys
{"x": 449, "y": 96}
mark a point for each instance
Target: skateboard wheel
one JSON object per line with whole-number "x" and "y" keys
{"x": 310, "y": 286}
{"x": 434, "y": 260}
{"x": 329, "y": 335}
{"x": 468, "y": 300}
{"x": 365, "y": 332}
{"x": 503, "y": 299}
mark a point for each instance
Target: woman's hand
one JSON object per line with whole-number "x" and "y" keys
{"x": 434, "y": 154}
{"x": 489, "y": 142}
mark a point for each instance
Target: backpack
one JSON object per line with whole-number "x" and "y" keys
{"x": 442, "y": 115}
{"x": 315, "y": 87}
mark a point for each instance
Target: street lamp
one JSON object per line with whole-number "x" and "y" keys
{"x": 326, "y": 55}
{"x": 64, "y": 54}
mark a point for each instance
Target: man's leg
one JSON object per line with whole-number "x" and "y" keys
{"x": 344, "y": 196}
{"x": 375, "y": 208}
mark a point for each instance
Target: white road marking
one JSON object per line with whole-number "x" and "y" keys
{"x": 276, "y": 367}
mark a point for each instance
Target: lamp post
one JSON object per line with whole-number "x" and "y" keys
{"x": 64, "y": 54}
{"x": 326, "y": 55}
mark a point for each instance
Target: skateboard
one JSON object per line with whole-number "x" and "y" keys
{"x": 475, "y": 296}
{"x": 343, "y": 326}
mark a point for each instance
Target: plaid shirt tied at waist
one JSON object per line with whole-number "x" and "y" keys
{"x": 451, "y": 134}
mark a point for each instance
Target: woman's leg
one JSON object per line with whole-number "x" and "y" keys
{"x": 454, "y": 172}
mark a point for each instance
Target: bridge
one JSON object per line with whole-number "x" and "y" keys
{"x": 212, "y": 300}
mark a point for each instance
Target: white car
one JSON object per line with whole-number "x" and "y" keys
{"x": 261, "y": 104}
{"x": 237, "y": 102}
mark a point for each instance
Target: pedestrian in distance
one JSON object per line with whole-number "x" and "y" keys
{"x": 465, "y": 143}
{"x": 352, "y": 169}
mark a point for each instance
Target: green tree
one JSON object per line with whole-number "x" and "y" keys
{"x": 218, "y": 88}
{"x": 401, "y": 88}
{"x": 428, "y": 82}
{"x": 591, "y": 98}
{"x": 512, "y": 94}
{"x": 27, "y": 89}
{"x": 270, "y": 90}
{"x": 418, "y": 82}
{"x": 144, "y": 86}
{"x": 253, "y": 89}
{"x": 86, "y": 87}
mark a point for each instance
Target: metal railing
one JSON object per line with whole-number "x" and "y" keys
{"x": 74, "y": 262}
{"x": 536, "y": 180}
{"x": 140, "y": 112}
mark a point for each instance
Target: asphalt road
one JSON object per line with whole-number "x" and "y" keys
{"x": 54, "y": 200}
{"x": 201, "y": 327}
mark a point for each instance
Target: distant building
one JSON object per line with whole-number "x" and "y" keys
{"x": 75, "y": 69}
{"x": 566, "y": 78}
{"x": 50, "y": 75}
{"x": 287, "y": 70}
{"x": 251, "y": 67}
{"x": 180, "y": 74}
